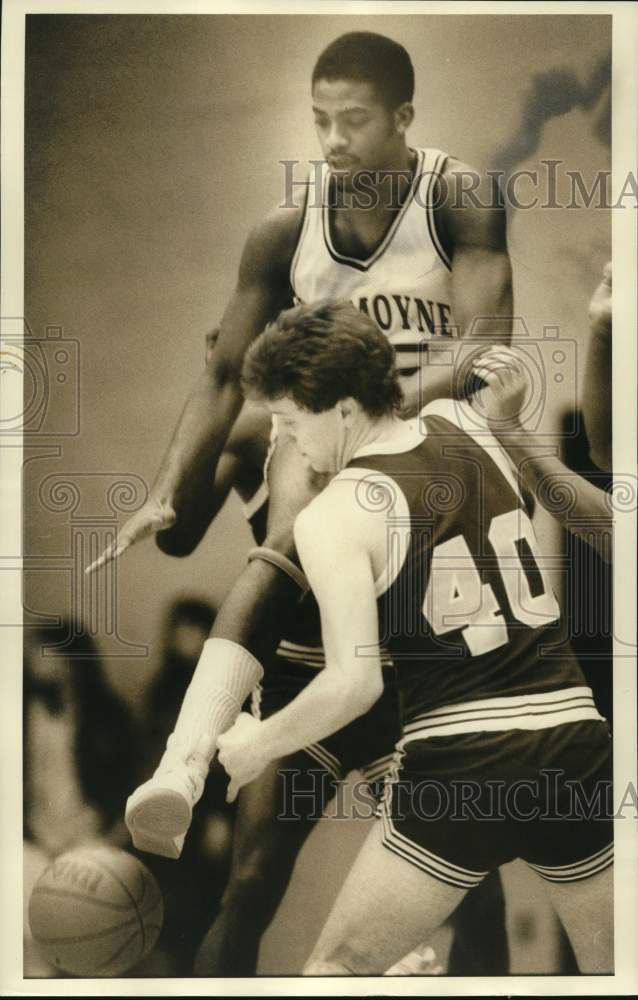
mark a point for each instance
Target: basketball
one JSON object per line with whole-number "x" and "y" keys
{"x": 95, "y": 912}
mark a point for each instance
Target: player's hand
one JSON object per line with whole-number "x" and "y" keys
{"x": 241, "y": 754}
{"x": 154, "y": 516}
{"x": 507, "y": 386}
{"x": 600, "y": 304}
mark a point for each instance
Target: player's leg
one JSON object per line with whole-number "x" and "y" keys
{"x": 275, "y": 815}
{"x": 479, "y": 946}
{"x": 387, "y": 907}
{"x": 246, "y": 632}
{"x": 159, "y": 812}
{"x": 571, "y": 845}
{"x": 586, "y": 910}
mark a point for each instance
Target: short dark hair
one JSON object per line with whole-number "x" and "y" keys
{"x": 369, "y": 58}
{"x": 318, "y": 355}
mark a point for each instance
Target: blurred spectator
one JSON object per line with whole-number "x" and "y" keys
{"x": 77, "y": 754}
{"x": 588, "y": 596}
{"x": 597, "y": 387}
{"x": 78, "y": 743}
{"x": 589, "y": 579}
{"x": 589, "y": 582}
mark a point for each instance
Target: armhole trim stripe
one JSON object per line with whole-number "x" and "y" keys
{"x": 302, "y": 235}
{"x": 437, "y": 243}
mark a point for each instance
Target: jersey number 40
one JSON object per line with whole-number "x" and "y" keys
{"x": 456, "y": 597}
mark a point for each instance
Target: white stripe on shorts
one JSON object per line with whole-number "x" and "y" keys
{"x": 327, "y": 760}
{"x": 377, "y": 769}
{"x": 432, "y": 864}
{"x": 312, "y": 656}
{"x": 579, "y": 869}
{"x": 527, "y": 711}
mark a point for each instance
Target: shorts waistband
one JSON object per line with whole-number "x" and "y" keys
{"x": 527, "y": 711}
{"x": 310, "y": 656}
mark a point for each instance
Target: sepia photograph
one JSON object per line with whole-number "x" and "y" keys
{"x": 319, "y": 498}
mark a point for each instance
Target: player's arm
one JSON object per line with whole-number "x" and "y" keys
{"x": 596, "y": 396}
{"x": 180, "y": 505}
{"x": 587, "y": 512}
{"x": 472, "y": 218}
{"x": 189, "y": 465}
{"x": 241, "y": 464}
{"x": 473, "y": 214}
{"x": 334, "y": 539}
{"x": 264, "y": 598}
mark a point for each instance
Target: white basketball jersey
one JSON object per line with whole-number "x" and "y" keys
{"x": 404, "y": 285}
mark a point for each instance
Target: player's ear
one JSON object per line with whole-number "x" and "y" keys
{"x": 348, "y": 409}
{"x": 403, "y": 117}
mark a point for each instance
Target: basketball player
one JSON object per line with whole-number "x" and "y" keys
{"x": 425, "y": 258}
{"x": 425, "y": 254}
{"x": 421, "y": 540}
{"x": 265, "y": 847}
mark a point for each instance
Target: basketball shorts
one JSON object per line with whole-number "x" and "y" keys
{"x": 459, "y": 806}
{"x": 367, "y": 744}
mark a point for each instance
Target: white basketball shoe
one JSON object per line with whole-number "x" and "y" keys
{"x": 159, "y": 812}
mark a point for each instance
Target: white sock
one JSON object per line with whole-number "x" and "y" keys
{"x": 225, "y": 675}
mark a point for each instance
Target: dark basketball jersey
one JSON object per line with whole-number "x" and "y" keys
{"x": 466, "y": 606}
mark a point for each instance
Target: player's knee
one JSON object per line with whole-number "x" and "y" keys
{"x": 176, "y": 543}
{"x": 246, "y": 882}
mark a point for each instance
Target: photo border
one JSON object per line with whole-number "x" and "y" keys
{"x": 625, "y": 143}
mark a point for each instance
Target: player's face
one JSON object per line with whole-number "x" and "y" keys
{"x": 356, "y": 131}
{"x": 319, "y": 437}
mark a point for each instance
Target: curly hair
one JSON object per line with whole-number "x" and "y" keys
{"x": 319, "y": 354}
